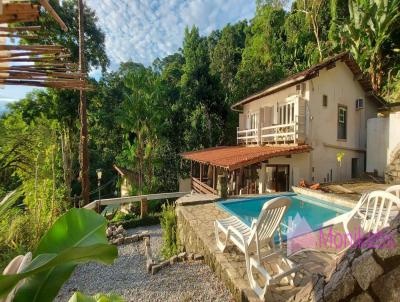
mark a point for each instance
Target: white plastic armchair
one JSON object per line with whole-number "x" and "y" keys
{"x": 395, "y": 190}
{"x": 251, "y": 240}
{"x": 261, "y": 232}
{"x": 374, "y": 212}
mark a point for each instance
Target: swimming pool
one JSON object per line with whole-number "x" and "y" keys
{"x": 304, "y": 209}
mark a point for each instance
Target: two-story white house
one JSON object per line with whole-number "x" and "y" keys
{"x": 311, "y": 126}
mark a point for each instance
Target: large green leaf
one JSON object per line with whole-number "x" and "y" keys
{"x": 78, "y": 227}
{"x": 79, "y": 297}
{"x": 76, "y": 237}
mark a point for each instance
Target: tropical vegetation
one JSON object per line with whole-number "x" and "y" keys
{"x": 76, "y": 237}
{"x": 142, "y": 117}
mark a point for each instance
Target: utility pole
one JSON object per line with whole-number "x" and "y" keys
{"x": 83, "y": 144}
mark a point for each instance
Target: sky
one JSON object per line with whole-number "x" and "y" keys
{"x": 142, "y": 30}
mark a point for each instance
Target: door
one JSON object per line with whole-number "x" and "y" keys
{"x": 354, "y": 168}
{"x": 270, "y": 178}
{"x": 277, "y": 178}
{"x": 282, "y": 178}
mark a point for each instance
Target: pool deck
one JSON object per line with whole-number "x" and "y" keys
{"x": 196, "y": 235}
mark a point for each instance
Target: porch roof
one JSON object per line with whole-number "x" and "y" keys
{"x": 234, "y": 157}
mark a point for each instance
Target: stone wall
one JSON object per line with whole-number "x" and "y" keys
{"x": 371, "y": 272}
{"x": 392, "y": 174}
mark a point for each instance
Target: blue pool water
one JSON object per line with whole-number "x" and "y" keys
{"x": 303, "y": 209}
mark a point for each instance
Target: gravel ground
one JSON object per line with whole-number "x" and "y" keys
{"x": 127, "y": 277}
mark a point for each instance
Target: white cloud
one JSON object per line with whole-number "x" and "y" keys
{"x": 142, "y": 30}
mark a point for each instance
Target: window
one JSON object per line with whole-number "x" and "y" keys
{"x": 359, "y": 104}
{"x": 342, "y": 122}
{"x": 292, "y": 112}
{"x": 286, "y": 113}
{"x": 325, "y": 100}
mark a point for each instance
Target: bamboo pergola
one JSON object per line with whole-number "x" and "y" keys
{"x": 34, "y": 65}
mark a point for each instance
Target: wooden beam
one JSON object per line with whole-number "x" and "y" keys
{"x": 19, "y": 8}
{"x": 40, "y": 72}
{"x": 12, "y": 36}
{"x": 33, "y": 53}
{"x": 47, "y": 84}
{"x": 19, "y": 28}
{"x": 33, "y": 47}
{"x": 54, "y": 14}
{"x": 44, "y": 75}
{"x": 19, "y": 18}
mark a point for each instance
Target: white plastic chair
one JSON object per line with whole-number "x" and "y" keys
{"x": 395, "y": 190}
{"x": 374, "y": 212}
{"x": 250, "y": 240}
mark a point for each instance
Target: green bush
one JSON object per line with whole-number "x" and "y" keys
{"x": 121, "y": 217}
{"x": 169, "y": 234}
{"x": 151, "y": 219}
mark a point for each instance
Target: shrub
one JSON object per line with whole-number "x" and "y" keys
{"x": 169, "y": 234}
{"x": 151, "y": 219}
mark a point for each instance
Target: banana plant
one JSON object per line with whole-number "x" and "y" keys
{"x": 370, "y": 26}
{"x": 79, "y": 297}
{"x": 76, "y": 237}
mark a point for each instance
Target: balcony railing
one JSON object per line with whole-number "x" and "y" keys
{"x": 249, "y": 136}
{"x": 291, "y": 133}
{"x": 279, "y": 134}
{"x": 201, "y": 187}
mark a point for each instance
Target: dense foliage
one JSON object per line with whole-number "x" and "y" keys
{"x": 76, "y": 237}
{"x": 142, "y": 117}
{"x": 169, "y": 231}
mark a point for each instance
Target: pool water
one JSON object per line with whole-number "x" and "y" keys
{"x": 304, "y": 215}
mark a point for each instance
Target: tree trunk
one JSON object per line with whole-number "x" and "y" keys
{"x": 67, "y": 161}
{"x": 83, "y": 145}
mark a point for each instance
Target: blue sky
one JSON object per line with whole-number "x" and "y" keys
{"x": 142, "y": 30}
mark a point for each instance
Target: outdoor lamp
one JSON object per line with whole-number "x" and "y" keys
{"x": 99, "y": 173}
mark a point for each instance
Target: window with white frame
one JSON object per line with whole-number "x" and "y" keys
{"x": 286, "y": 113}
{"x": 342, "y": 122}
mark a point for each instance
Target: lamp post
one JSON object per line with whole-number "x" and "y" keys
{"x": 99, "y": 173}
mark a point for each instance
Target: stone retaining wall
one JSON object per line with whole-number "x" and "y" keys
{"x": 369, "y": 273}
{"x": 201, "y": 241}
{"x": 392, "y": 174}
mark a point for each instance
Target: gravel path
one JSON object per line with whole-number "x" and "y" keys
{"x": 127, "y": 277}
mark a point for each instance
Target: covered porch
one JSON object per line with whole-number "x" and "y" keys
{"x": 240, "y": 170}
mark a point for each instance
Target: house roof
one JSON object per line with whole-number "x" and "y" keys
{"x": 313, "y": 72}
{"x": 234, "y": 157}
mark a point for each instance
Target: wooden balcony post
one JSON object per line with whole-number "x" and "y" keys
{"x": 201, "y": 172}
{"x": 213, "y": 180}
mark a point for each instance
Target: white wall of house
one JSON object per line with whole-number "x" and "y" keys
{"x": 321, "y": 123}
{"x": 269, "y": 101}
{"x": 299, "y": 166}
{"x": 383, "y": 141}
{"x": 342, "y": 89}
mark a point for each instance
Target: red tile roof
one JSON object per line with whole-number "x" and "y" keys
{"x": 232, "y": 158}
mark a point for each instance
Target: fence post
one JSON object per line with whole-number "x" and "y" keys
{"x": 143, "y": 207}
{"x": 98, "y": 206}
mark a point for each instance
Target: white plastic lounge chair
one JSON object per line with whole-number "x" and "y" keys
{"x": 395, "y": 190}
{"x": 251, "y": 240}
{"x": 372, "y": 213}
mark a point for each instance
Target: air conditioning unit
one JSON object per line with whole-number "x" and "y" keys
{"x": 301, "y": 89}
{"x": 359, "y": 104}
{"x": 298, "y": 89}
